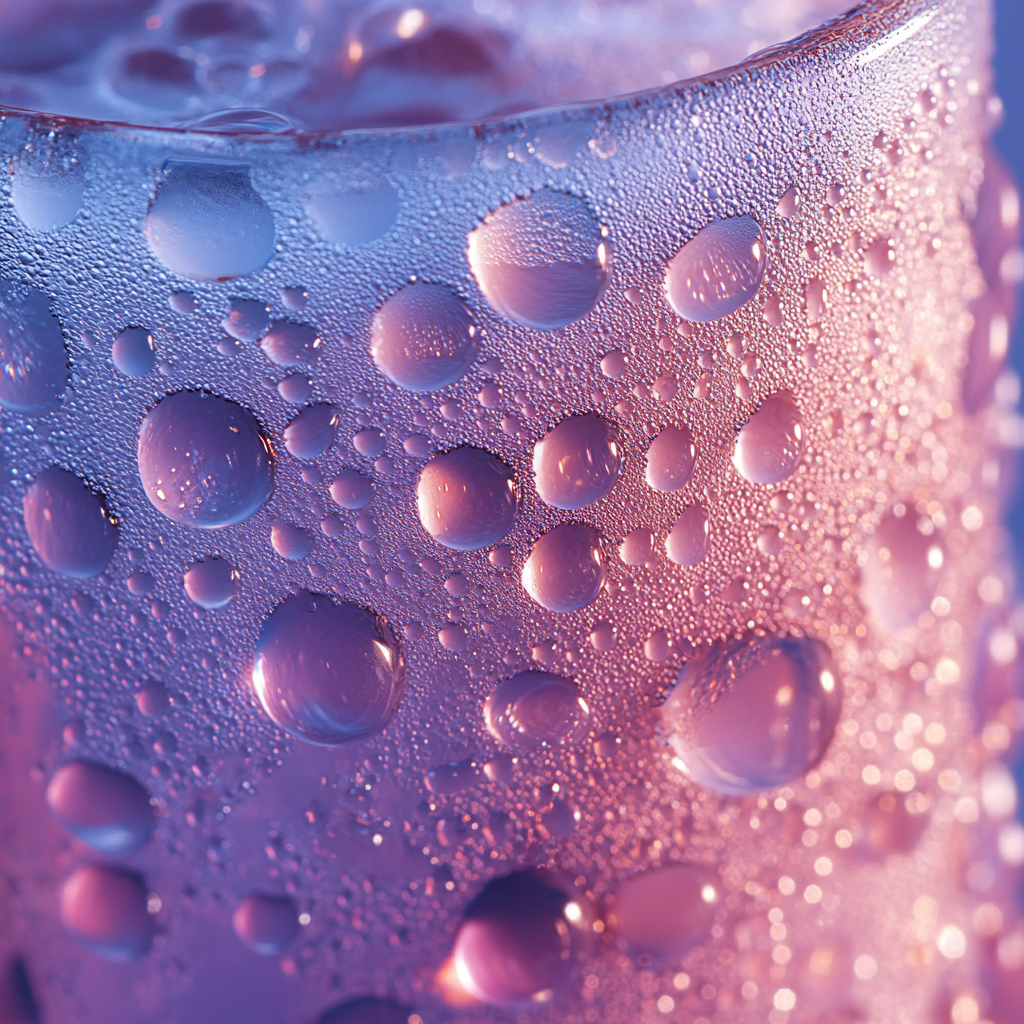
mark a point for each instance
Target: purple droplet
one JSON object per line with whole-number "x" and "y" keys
{"x": 566, "y": 568}
{"x": 577, "y": 462}
{"x": 536, "y": 709}
{"x": 772, "y": 443}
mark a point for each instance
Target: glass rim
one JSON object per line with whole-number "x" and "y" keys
{"x": 859, "y": 36}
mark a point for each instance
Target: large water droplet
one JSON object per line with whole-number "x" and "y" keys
{"x": 466, "y": 498}
{"x": 211, "y": 583}
{"x": 101, "y": 807}
{"x": 45, "y": 199}
{"x": 33, "y": 360}
{"x": 134, "y": 352}
{"x": 520, "y": 939}
{"x": 577, "y": 462}
{"x": 898, "y": 579}
{"x": 354, "y": 218}
{"x": 771, "y": 445}
{"x": 754, "y": 713}
{"x": 68, "y": 525}
{"x": 637, "y": 547}
{"x": 536, "y": 709}
{"x": 208, "y": 223}
{"x": 312, "y": 432}
{"x": 718, "y": 270}
{"x": 203, "y": 461}
{"x": 105, "y": 908}
{"x": 350, "y": 489}
{"x": 566, "y": 568}
{"x": 327, "y": 673}
{"x": 247, "y": 319}
{"x": 541, "y": 261}
{"x": 665, "y": 912}
{"x": 266, "y": 924}
{"x": 689, "y": 539}
{"x": 423, "y": 338}
{"x": 366, "y": 1010}
{"x": 671, "y": 459}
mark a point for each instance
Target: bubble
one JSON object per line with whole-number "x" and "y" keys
{"x": 754, "y": 713}
{"x": 288, "y": 344}
{"x": 68, "y": 525}
{"x": 899, "y": 577}
{"x": 466, "y": 498}
{"x": 33, "y": 360}
{"x": 105, "y": 908}
{"x": 671, "y": 459}
{"x": 351, "y": 489}
{"x": 46, "y": 200}
{"x": 327, "y": 673}
{"x": 772, "y": 443}
{"x": 366, "y": 1010}
{"x": 208, "y": 223}
{"x": 520, "y": 939}
{"x": 688, "y": 541}
{"x": 247, "y": 319}
{"x": 577, "y": 462}
{"x": 536, "y": 709}
{"x": 355, "y": 218}
{"x": 134, "y": 352}
{"x": 423, "y": 338}
{"x": 211, "y": 583}
{"x": 637, "y": 547}
{"x": 266, "y": 924}
{"x": 541, "y": 260}
{"x": 101, "y": 807}
{"x": 665, "y": 912}
{"x": 718, "y": 270}
{"x": 290, "y": 542}
{"x": 203, "y": 461}
{"x": 566, "y": 568}
{"x": 312, "y": 432}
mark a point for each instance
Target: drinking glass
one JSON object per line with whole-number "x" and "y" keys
{"x": 522, "y": 566}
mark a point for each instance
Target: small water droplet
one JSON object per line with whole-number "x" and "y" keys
{"x": 140, "y": 584}
{"x": 789, "y": 204}
{"x": 355, "y": 218}
{"x": 602, "y": 637}
{"x": 772, "y": 443}
{"x": 637, "y": 547}
{"x": 536, "y": 709}
{"x": 266, "y": 924}
{"x": 671, "y": 459}
{"x": 718, "y": 270}
{"x": 290, "y": 542}
{"x": 370, "y": 442}
{"x": 68, "y": 525}
{"x": 614, "y": 364}
{"x": 577, "y": 462}
{"x": 294, "y": 299}
{"x": 880, "y": 257}
{"x": 289, "y": 344}
{"x": 182, "y": 302}
{"x": 901, "y": 571}
{"x": 101, "y": 807}
{"x": 247, "y": 319}
{"x": 296, "y": 389}
{"x": 312, "y": 432}
{"x": 566, "y": 568}
{"x": 327, "y": 673}
{"x": 690, "y": 537}
{"x": 466, "y": 498}
{"x": 541, "y": 260}
{"x": 153, "y": 700}
{"x": 45, "y": 198}
{"x": 211, "y": 583}
{"x": 134, "y": 352}
{"x": 754, "y": 713}
{"x": 423, "y": 338}
{"x": 105, "y": 908}
{"x": 203, "y": 461}
{"x": 33, "y": 359}
{"x": 351, "y": 489}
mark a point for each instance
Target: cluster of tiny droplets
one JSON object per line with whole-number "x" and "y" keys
{"x": 497, "y": 467}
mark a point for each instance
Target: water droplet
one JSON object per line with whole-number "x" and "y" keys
{"x": 718, "y": 270}
{"x": 520, "y": 939}
{"x": 772, "y": 443}
{"x": 466, "y": 498}
{"x": 665, "y": 912}
{"x": 637, "y": 547}
{"x": 290, "y": 542}
{"x": 689, "y": 539}
{"x": 789, "y": 204}
{"x": 68, "y": 525}
{"x": 105, "y": 908}
{"x": 536, "y": 709}
{"x": 153, "y": 700}
{"x": 614, "y": 364}
{"x": 33, "y": 360}
{"x": 423, "y": 338}
{"x": 901, "y": 572}
{"x": 247, "y": 319}
{"x": 671, "y": 459}
{"x": 541, "y": 261}
{"x": 366, "y": 1010}
{"x": 45, "y": 199}
{"x": 355, "y": 218}
{"x": 769, "y": 541}
{"x": 880, "y": 257}
{"x": 140, "y": 584}
{"x": 266, "y": 924}
{"x": 453, "y": 637}
{"x": 211, "y": 583}
{"x": 327, "y": 673}
{"x": 566, "y": 568}
{"x": 208, "y": 223}
{"x": 351, "y": 489}
{"x": 203, "y": 461}
{"x": 182, "y": 302}
{"x": 296, "y": 389}
{"x": 577, "y": 462}
{"x": 754, "y": 713}
{"x": 101, "y": 807}
{"x": 602, "y": 637}
{"x": 289, "y": 344}
{"x": 134, "y": 352}
{"x": 294, "y": 299}
{"x": 312, "y": 432}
